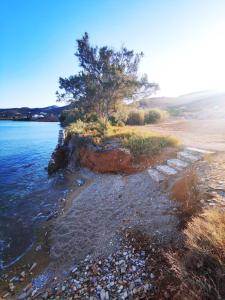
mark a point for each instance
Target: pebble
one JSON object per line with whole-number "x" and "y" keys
{"x": 152, "y": 276}
{"x": 33, "y": 266}
{"x": 22, "y": 296}
{"x": 120, "y": 276}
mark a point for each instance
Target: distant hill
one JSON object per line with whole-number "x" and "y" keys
{"x": 203, "y": 104}
{"x": 54, "y": 109}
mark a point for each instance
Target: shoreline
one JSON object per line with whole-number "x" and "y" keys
{"x": 39, "y": 252}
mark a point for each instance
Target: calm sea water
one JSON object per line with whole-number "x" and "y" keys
{"x": 27, "y": 195}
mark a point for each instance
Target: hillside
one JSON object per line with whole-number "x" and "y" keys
{"x": 204, "y": 104}
{"x": 28, "y": 113}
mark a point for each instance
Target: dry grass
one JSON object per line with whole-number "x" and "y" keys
{"x": 206, "y": 234}
{"x": 185, "y": 190}
{"x": 201, "y": 266}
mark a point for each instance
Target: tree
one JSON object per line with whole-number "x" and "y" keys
{"x": 107, "y": 78}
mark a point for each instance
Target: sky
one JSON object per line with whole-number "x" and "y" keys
{"x": 183, "y": 43}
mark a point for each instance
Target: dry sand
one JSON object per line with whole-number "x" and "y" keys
{"x": 111, "y": 203}
{"x": 204, "y": 134}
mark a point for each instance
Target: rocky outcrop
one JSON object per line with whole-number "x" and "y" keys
{"x": 59, "y": 159}
{"x": 109, "y": 157}
{"x": 114, "y": 160}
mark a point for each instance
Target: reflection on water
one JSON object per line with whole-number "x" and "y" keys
{"x": 27, "y": 195}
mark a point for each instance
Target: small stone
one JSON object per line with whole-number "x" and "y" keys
{"x": 103, "y": 295}
{"x": 23, "y": 274}
{"x": 125, "y": 295}
{"x": 6, "y": 295}
{"x": 27, "y": 287}
{"x": 33, "y": 266}
{"x": 34, "y": 292}
{"x": 152, "y": 276}
{"x": 134, "y": 268}
{"x": 166, "y": 295}
{"x": 22, "y": 296}
{"x": 38, "y": 248}
{"x": 45, "y": 295}
{"x": 11, "y": 287}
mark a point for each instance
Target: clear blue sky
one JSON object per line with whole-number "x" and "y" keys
{"x": 183, "y": 42}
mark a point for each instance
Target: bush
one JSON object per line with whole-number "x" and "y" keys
{"x": 136, "y": 117}
{"x": 140, "y": 142}
{"x": 70, "y": 116}
{"x": 148, "y": 145}
{"x": 154, "y": 116}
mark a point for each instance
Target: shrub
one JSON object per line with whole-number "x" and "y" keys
{"x": 140, "y": 142}
{"x": 148, "y": 145}
{"x": 70, "y": 116}
{"x": 153, "y": 116}
{"x": 136, "y": 117}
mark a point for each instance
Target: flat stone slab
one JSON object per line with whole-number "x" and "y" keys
{"x": 198, "y": 151}
{"x": 165, "y": 169}
{"x": 155, "y": 175}
{"x": 177, "y": 164}
{"x": 187, "y": 156}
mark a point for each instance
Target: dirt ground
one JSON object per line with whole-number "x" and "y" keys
{"x": 107, "y": 206}
{"x": 204, "y": 134}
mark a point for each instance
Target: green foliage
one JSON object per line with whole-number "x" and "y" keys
{"x": 107, "y": 77}
{"x": 136, "y": 117}
{"x": 153, "y": 116}
{"x": 139, "y": 142}
{"x": 141, "y": 117}
{"x": 148, "y": 145}
{"x": 70, "y": 116}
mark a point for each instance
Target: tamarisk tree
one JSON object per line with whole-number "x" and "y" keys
{"x": 106, "y": 78}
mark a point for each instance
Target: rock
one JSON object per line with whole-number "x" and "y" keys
{"x": 187, "y": 156}
{"x": 124, "y": 295}
{"x": 152, "y": 276}
{"x": 166, "y": 170}
{"x": 103, "y": 295}
{"x": 34, "y": 292}
{"x": 59, "y": 159}
{"x": 23, "y": 274}
{"x": 177, "y": 164}
{"x": 22, "y": 296}
{"x": 38, "y": 248}
{"x": 166, "y": 295}
{"x": 33, "y": 267}
{"x": 45, "y": 295}
{"x": 155, "y": 175}
{"x": 11, "y": 287}
{"x": 6, "y": 295}
{"x": 80, "y": 182}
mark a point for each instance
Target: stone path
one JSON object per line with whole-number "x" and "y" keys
{"x": 172, "y": 167}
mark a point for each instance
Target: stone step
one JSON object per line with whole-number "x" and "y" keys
{"x": 177, "y": 164}
{"x": 156, "y": 175}
{"x": 187, "y": 156}
{"x": 197, "y": 151}
{"x": 166, "y": 170}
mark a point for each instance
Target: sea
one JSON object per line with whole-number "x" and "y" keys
{"x": 28, "y": 196}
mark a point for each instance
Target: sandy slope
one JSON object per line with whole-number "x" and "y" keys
{"x": 109, "y": 204}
